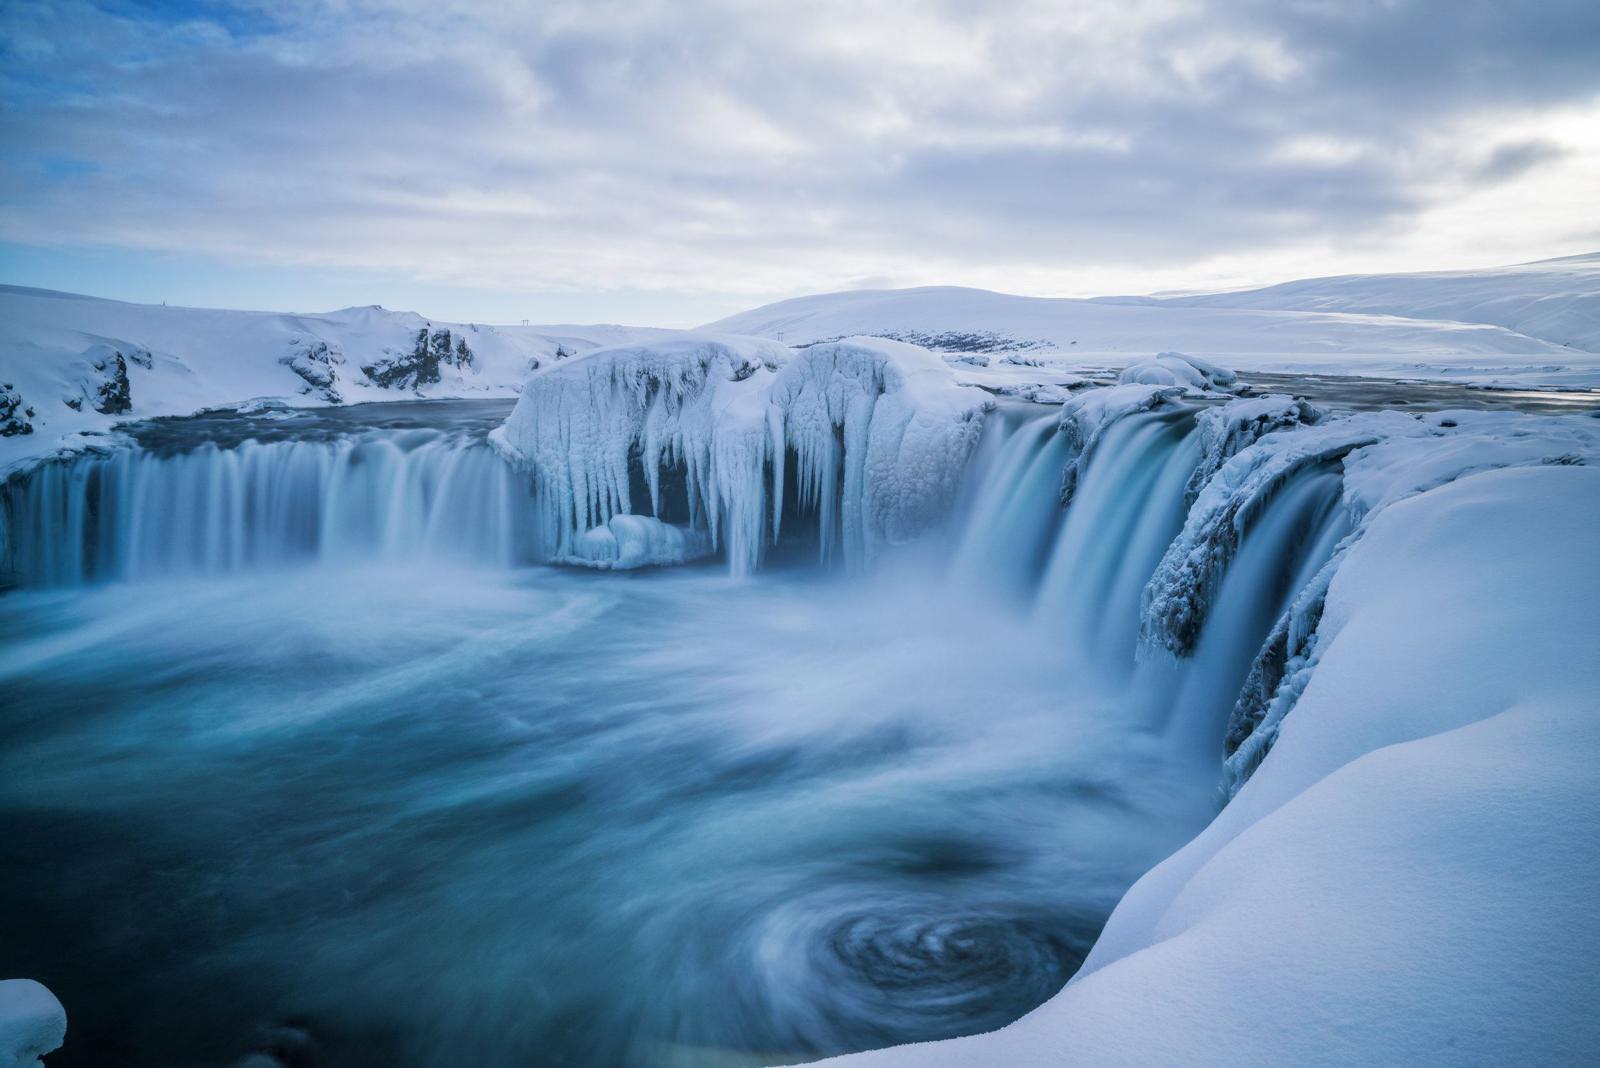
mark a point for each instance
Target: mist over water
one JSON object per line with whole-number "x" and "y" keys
{"x": 393, "y": 798}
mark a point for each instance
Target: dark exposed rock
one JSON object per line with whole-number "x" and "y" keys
{"x": 420, "y": 366}
{"x": 949, "y": 341}
{"x": 317, "y": 365}
{"x": 15, "y": 415}
{"x": 113, "y": 396}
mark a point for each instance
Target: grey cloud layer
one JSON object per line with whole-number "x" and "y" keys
{"x": 757, "y": 148}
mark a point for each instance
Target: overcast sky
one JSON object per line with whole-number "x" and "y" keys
{"x": 670, "y": 163}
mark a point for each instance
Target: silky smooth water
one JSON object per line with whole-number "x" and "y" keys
{"x": 301, "y": 755}
{"x": 535, "y": 817}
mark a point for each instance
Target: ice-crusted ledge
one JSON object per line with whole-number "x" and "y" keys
{"x": 878, "y": 432}
{"x": 32, "y": 1023}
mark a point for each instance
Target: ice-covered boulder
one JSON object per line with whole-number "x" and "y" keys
{"x": 877, "y": 433}
{"x": 1192, "y": 373}
{"x": 32, "y": 1023}
{"x": 626, "y": 542}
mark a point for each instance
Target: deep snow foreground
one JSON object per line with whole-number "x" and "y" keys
{"x": 874, "y": 434}
{"x": 1409, "y": 875}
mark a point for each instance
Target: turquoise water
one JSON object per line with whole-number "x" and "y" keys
{"x": 524, "y": 816}
{"x": 302, "y": 756}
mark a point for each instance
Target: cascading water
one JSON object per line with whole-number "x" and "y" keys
{"x": 1127, "y": 507}
{"x": 135, "y": 513}
{"x": 1081, "y": 571}
{"x": 1295, "y": 535}
{"x": 1016, "y": 501}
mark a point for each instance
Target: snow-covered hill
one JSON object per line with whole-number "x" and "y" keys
{"x": 71, "y": 365}
{"x": 1382, "y": 325}
{"x": 1552, "y": 300}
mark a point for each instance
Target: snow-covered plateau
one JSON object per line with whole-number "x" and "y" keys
{"x": 1536, "y": 325}
{"x": 873, "y": 675}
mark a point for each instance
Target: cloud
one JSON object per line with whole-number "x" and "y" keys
{"x": 725, "y": 147}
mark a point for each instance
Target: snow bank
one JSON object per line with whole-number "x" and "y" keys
{"x": 32, "y": 1023}
{"x": 1408, "y": 878}
{"x": 879, "y": 433}
{"x": 1177, "y": 369}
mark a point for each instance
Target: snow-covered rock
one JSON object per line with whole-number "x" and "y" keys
{"x": 1180, "y": 369}
{"x": 32, "y": 1023}
{"x": 878, "y": 432}
{"x": 1086, "y": 417}
{"x": 1228, "y": 430}
{"x": 1409, "y": 875}
{"x": 627, "y": 542}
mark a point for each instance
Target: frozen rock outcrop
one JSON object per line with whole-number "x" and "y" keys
{"x": 15, "y": 413}
{"x": 420, "y": 367}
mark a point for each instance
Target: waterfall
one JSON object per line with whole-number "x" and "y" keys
{"x": 1126, "y": 508}
{"x": 134, "y": 513}
{"x": 1082, "y": 571}
{"x": 1098, "y": 572}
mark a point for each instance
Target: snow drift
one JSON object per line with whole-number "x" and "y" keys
{"x": 873, "y": 434}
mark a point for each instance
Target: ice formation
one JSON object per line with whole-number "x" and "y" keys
{"x": 1181, "y": 590}
{"x": 875, "y": 434}
{"x": 32, "y": 1023}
